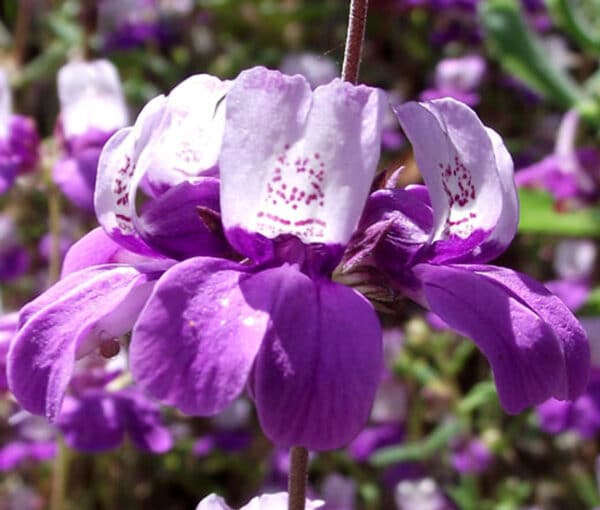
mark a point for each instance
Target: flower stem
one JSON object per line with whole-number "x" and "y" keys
{"x": 297, "y": 478}
{"x": 354, "y": 40}
{"x": 54, "y": 227}
{"x": 59, "y": 477}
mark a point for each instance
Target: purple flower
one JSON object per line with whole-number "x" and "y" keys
{"x": 431, "y": 242}
{"x": 295, "y": 168}
{"x": 126, "y": 24}
{"x": 19, "y": 140}
{"x": 471, "y": 456}
{"x": 458, "y": 78}
{"x": 92, "y": 109}
{"x": 574, "y": 263}
{"x": 581, "y": 416}
{"x": 98, "y": 421}
{"x": 14, "y": 258}
{"x": 570, "y": 174}
{"x": 105, "y": 284}
{"x": 15, "y": 453}
{"x": 277, "y": 501}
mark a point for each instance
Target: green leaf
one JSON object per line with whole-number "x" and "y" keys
{"x": 521, "y": 53}
{"x": 419, "y": 450}
{"x": 580, "y": 18}
{"x": 592, "y": 306}
{"x": 482, "y": 393}
{"x": 539, "y": 216}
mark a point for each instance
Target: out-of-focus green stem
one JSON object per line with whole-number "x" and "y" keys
{"x": 59, "y": 477}
{"x": 54, "y": 227}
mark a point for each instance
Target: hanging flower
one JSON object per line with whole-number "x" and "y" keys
{"x": 106, "y": 280}
{"x": 295, "y": 168}
{"x": 432, "y": 242}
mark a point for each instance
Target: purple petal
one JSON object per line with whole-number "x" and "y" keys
{"x": 298, "y": 163}
{"x": 534, "y": 344}
{"x": 316, "y": 374}
{"x": 76, "y": 176}
{"x": 196, "y": 339}
{"x": 468, "y": 173}
{"x": 172, "y": 225}
{"x": 93, "y": 249}
{"x": 571, "y": 336}
{"x": 78, "y": 312}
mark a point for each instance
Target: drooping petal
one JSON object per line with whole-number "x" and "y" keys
{"x": 195, "y": 341}
{"x": 572, "y": 338}
{"x": 468, "y": 173}
{"x": 93, "y": 249}
{"x": 90, "y": 305}
{"x": 534, "y": 345}
{"x": 298, "y": 163}
{"x": 316, "y": 374}
{"x": 91, "y": 97}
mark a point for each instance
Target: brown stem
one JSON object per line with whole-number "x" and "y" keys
{"x": 354, "y": 40}
{"x": 21, "y": 31}
{"x": 297, "y": 478}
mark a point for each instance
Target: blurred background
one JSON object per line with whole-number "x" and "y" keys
{"x": 438, "y": 438}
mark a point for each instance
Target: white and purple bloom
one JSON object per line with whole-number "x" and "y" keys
{"x": 277, "y": 501}
{"x": 292, "y": 190}
{"x": 570, "y": 174}
{"x": 574, "y": 262}
{"x": 92, "y": 108}
{"x": 126, "y": 24}
{"x": 19, "y": 140}
{"x": 105, "y": 283}
{"x": 458, "y": 78}
{"x": 432, "y": 243}
{"x": 291, "y": 193}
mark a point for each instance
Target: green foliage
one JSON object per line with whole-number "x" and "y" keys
{"x": 539, "y": 216}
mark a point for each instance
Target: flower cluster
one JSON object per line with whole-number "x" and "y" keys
{"x": 225, "y": 211}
